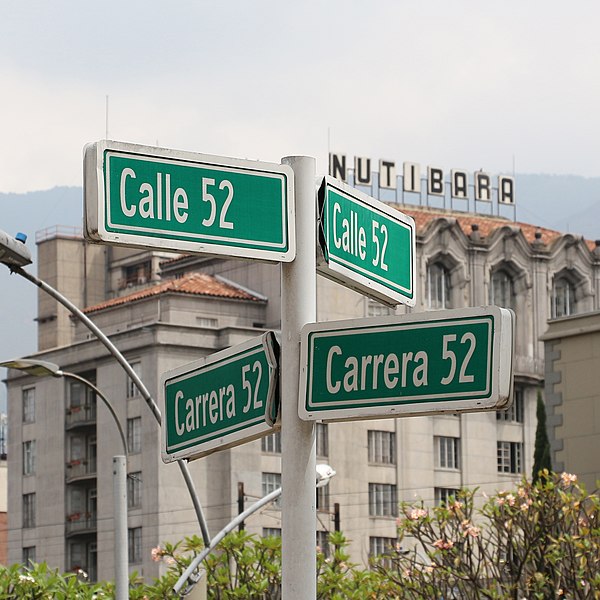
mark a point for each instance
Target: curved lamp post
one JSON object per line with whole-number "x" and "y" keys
{"x": 324, "y": 474}
{"x": 41, "y": 368}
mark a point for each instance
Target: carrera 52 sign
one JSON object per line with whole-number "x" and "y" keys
{"x": 220, "y": 401}
{"x": 188, "y": 202}
{"x": 445, "y": 361}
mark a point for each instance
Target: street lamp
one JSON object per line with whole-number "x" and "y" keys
{"x": 15, "y": 255}
{"x": 324, "y": 473}
{"x": 41, "y": 368}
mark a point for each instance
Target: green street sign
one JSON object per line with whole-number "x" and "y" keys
{"x": 418, "y": 364}
{"x": 365, "y": 244}
{"x": 187, "y": 202}
{"x": 220, "y": 401}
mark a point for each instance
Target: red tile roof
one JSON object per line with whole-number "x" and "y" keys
{"x": 487, "y": 223}
{"x": 198, "y": 284}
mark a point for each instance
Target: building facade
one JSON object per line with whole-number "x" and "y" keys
{"x": 163, "y": 311}
{"x": 573, "y": 395}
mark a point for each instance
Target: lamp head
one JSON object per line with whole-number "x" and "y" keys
{"x": 324, "y": 474}
{"x": 13, "y": 251}
{"x": 37, "y": 368}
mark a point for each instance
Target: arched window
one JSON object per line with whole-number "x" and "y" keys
{"x": 563, "y": 298}
{"x": 502, "y": 290}
{"x": 438, "y": 286}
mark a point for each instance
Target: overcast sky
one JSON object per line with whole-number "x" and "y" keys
{"x": 463, "y": 84}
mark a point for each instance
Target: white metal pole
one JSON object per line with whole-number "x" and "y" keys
{"x": 298, "y": 455}
{"x": 120, "y": 520}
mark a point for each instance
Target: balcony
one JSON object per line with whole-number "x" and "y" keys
{"x": 78, "y": 416}
{"x": 81, "y": 523}
{"x": 80, "y": 469}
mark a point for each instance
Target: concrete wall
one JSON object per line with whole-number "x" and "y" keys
{"x": 573, "y": 395}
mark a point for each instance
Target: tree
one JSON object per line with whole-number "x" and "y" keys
{"x": 541, "y": 456}
{"x": 539, "y": 541}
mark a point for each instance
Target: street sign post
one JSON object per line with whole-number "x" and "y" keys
{"x": 142, "y": 196}
{"x": 365, "y": 244}
{"x": 220, "y": 401}
{"x": 444, "y": 361}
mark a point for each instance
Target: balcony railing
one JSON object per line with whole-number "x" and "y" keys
{"x": 81, "y": 415}
{"x": 81, "y": 523}
{"x": 81, "y": 468}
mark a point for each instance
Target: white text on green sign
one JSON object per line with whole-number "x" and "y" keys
{"x": 221, "y": 401}
{"x": 447, "y": 361}
{"x": 184, "y": 201}
{"x": 367, "y": 245}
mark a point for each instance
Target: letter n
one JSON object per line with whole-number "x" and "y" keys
{"x": 337, "y": 166}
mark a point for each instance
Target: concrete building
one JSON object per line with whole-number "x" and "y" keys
{"x": 573, "y": 395}
{"x": 163, "y": 310}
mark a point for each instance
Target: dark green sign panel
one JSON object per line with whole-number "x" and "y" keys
{"x": 188, "y": 202}
{"x": 366, "y": 244}
{"x": 221, "y": 401}
{"x": 448, "y": 361}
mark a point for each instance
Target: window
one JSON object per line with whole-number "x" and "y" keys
{"x": 322, "y": 434}
{"x": 29, "y": 555}
{"x": 382, "y": 447}
{"x": 515, "y": 412}
{"x": 323, "y": 541}
{"x": 134, "y": 489}
{"x": 81, "y": 395}
{"x": 381, "y": 546}
{"x": 137, "y": 274}
{"x": 442, "y": 495}
{"x": 270, "y": 482}
{"x": 382, "y": 500}
{"x": 502, "y": 289}
{"x": 29, "y": 457}
{"x": 28, "y": 510}
{"x": 29, "y": 405}
{"x": 323, "y": 498}
{"x": 134, "y": 538}
{"x": 447, "y": 452}
{"x": 438, "y": 286}
{"x": 376, "y": 309}
{"x": 271, "y": 532}
{"x": 132, "y": 390}
{"x": 563, "y": 298}
{"x": 510, "y": 457}
{"x": 271, "y": 443}
{"x": 134, "y": 435}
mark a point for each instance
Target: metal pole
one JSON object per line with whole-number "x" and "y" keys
{"x": 188, "y": 574}
{"x": 298, "y": 455}
{"x": 132, "y": 374}
{"x": 120, "y": 520}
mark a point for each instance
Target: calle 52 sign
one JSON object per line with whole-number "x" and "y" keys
{"x": 188, "y": 202}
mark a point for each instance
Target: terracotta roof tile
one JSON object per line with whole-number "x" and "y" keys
{"x": 198, "y": 284}
{"x": 487, "y": 224}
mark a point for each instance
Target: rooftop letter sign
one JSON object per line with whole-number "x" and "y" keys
{"x": 444, "y": 361}
{"x": 366, "y": 245}
{"x": 188, "y": 202}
